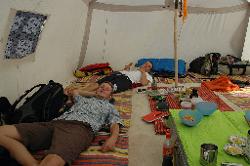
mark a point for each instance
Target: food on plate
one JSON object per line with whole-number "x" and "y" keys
{"x": 241, "y": 141}
{"x": 233, "y": 149}
{"x": 188, "y": 117}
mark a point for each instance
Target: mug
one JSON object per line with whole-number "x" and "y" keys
{"x": 208, "y": 154}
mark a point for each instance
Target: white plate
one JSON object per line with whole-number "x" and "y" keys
{"x": 241, "y": 141}
{"x": 233, "y": 149}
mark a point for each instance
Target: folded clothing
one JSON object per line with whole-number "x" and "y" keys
{"x": 222, "y": 84}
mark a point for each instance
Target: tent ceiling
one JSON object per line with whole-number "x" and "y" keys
{"x": 193, "y": 3}
{"x": 215, "y": 3}
{"x": 194, "y": 6}
{"x": 133, "y": 2}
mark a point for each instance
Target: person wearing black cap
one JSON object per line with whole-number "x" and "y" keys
{"x": 124, "y": 79}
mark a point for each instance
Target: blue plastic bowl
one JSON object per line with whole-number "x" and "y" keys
{"x": 206, "y": 108}
{"x": 190, "y": 117}
{"x": 247, "y": 115}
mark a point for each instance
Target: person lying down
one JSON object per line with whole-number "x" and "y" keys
{"x": 66, "y": 136}
{"x": 122, "y": 80}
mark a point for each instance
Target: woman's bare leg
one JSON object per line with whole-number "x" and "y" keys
{"x": 10, "y": 140}
{"x": 52, "y": 160}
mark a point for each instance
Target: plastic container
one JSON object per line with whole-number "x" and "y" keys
{"x": 247, "y": 115}
{"x": 196, "y": 100}
{"x": 190, "y": 117}
{"x": 186, "y": 105}
{"x": 206, "y": 108}
{"x": 168, "y": 149}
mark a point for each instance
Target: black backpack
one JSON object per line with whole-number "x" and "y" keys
{"x": 41, "y": 106}
{"x": 206, "y": 65}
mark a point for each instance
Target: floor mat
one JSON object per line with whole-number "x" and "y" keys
{"x": 204, "y": 93}
{"x": 239, "y": 98}
{"x": 207, "y": 78}
{"x": 187, "y": 79}
{"x": 86, "y": 79}
{"x": 208, "y": 95}
{"x": 119, "y": 156}
{"x": 198, "y": 78}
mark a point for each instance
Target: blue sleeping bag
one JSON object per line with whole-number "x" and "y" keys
{"x": 164, "y": 65}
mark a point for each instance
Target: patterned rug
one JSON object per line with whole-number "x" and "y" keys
{"x": 198, "y": 78}
{"x": 86, "y": 79}
{"x": 80, "y": 83}
{"x": 208, "y": 95}
{"x": 190, "y": 78}
{"x": 239, "y": 98}
{"x": 205, "y": 93}
{"x": 119, "y": 156}
{"x": 206, "y": 78}
{"x": 187, "y": 79}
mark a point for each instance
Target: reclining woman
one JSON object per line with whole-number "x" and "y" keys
{"x": 66, "y": 136}
{"x": 124, "y": 79}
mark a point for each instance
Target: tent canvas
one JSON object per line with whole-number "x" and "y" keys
{"x": 119, "y": 37}
{"x": 120, "y": 6}
{"x": 120, "y": 31}
{"x": 146, "y": 29}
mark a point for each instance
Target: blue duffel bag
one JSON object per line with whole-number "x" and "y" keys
{"x": 164, "y": 65}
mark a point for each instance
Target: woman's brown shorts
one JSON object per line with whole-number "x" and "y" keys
{"x": 64, "y": 138}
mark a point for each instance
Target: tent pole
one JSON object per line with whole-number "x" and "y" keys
{"x": 86, "y": 34}
{"x": 175, "y": 47}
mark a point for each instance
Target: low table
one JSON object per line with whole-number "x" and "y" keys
{"x": 214, "y": 129}
{"x": 180, "y": 157}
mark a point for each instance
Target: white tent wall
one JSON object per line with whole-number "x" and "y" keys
{"x": 203, "y": 33}
{"x": 122, "y": 37}
{"x": 115, "y": 37}
{"x": 58, "y": 49}
{"x": 246, "y": 48}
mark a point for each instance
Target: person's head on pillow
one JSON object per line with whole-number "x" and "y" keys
{"x": 147, "y": 66}
{"x": 105, "y": 90}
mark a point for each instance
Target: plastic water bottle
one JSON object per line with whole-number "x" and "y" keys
{"x": 154, "y": 84}
{"x": 168, "y": 148}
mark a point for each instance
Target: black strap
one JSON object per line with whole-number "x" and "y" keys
{"x": 13, "y": 106}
